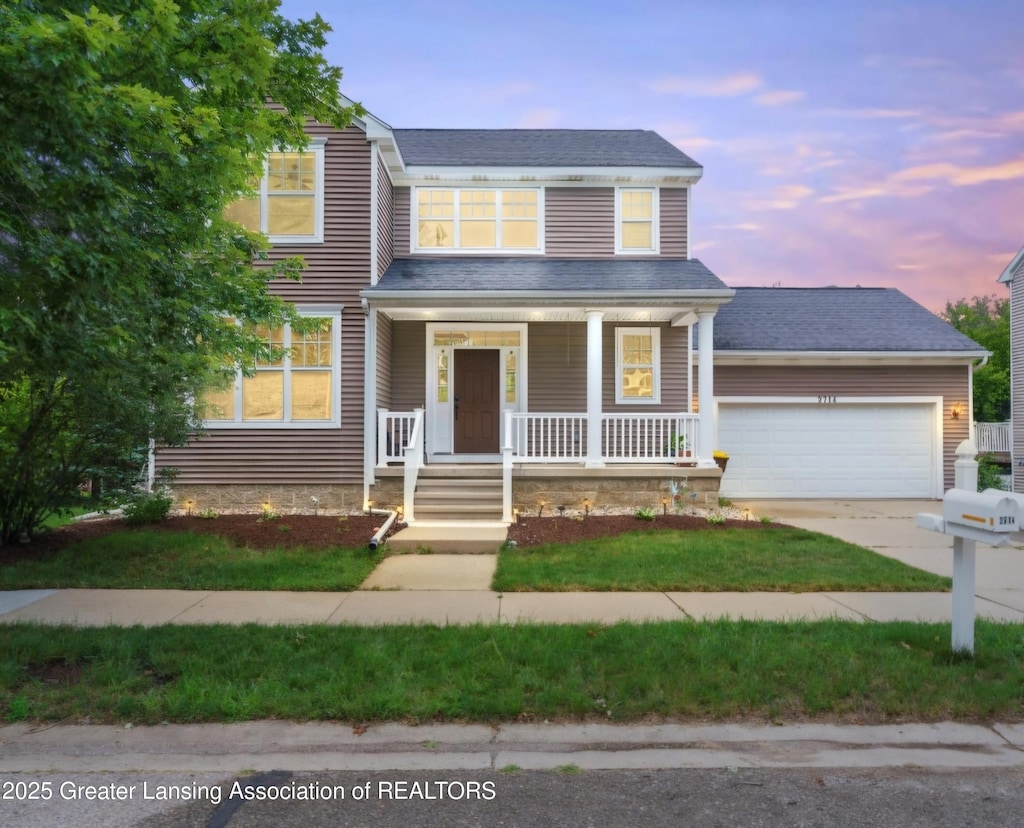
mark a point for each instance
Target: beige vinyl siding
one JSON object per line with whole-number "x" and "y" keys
{"x": 385, "y": 217}
{"x": 384, "y": 345}
{"x": 261, "y": 456}
{"x": 674, "y": 204}
{"x": 408, "y": 365}
{"x": 557, "y": 369}
{"x": 949, "y": 382}
{"x": 400, "y": 221}
{"x": 336, "y": 271}
{"x": 579, "y": 222}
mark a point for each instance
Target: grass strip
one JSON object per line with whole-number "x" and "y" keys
{"x": 493, "y": 673}
{"x": 153, "y": 559}
{"x": 713, "y": 560}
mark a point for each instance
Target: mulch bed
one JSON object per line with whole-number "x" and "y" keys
{"x": 306, "y": 531}
{"x": 327, "y": 531}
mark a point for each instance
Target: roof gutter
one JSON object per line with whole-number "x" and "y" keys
{"x": 476, "y": 297}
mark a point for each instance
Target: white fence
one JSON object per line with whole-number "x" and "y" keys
{"x": 992, "y": 437}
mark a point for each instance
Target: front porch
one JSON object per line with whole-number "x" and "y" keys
{"x": 548, "y": 462}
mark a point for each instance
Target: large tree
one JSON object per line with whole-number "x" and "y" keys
{"x": 986, "y": 320}
{"x": 126, "y": 126}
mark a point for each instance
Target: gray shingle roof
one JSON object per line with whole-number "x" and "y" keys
{"x": 538, "y": 148}
{"x": 832, "y": 319}
{"x": 540, "y": 275}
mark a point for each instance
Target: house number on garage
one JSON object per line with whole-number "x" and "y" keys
{"x": 827, "y": 399}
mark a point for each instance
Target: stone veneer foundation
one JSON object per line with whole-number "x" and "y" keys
{"x": 604, "y": 488}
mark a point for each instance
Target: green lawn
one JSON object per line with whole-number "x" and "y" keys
{"x": 153, "y": 559}
{"x": 829, "y": 670}
{"x": 712, "y": 560}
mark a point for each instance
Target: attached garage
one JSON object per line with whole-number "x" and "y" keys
{"x": 831, "y": 447}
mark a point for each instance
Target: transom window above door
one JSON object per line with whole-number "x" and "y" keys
{"x": 477, "y": 219}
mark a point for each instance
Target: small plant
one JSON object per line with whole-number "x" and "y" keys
{"x": 723, "y": 502}
{"x": 267, "y": 514}
{"x": 765, "y": 519}
{"x": 284, "y": 527}
{"x": 146, "y": 507}
{"x": 209, "y": 514}
{"x": 716, "y": 519}
{"x": 509, "y": 544}
{"x": 510, "y": 769}
{"x": 644, "y": 514}
{"x": 989, "y": 473}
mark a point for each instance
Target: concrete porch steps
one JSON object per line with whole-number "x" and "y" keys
{"x": 458, "y": 498}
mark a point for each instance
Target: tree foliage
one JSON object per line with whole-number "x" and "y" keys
{"x": 125, "y": 128}
{"x": 986, "y": 320}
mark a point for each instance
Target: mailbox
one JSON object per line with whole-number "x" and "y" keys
{"x": 992, "y": 510}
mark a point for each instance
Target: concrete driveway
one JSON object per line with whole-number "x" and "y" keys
{"x": 889, "y": 528}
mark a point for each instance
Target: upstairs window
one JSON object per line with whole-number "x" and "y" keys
{"x": 477, "y": 219}
{"x": 636, "y": 220}
{"x": 289, "y": 202}
{"x": 637, "y": 365}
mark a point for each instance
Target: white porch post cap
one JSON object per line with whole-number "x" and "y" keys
{"x": 967, "y": 449}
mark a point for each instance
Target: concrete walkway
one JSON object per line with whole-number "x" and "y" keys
{"x": 454, "y": 589}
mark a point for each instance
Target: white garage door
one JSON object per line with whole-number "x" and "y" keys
{"x": 838, "y": 450}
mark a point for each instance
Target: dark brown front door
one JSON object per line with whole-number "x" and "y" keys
{"x": 477, "y": 403}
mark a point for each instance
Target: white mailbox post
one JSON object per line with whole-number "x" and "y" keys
{"x": 970, "y": 516}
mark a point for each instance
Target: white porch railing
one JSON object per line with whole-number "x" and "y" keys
{"x": 992, "y": 437}
{"x": 625, "y": 438}
{"x": 394, "y": 433}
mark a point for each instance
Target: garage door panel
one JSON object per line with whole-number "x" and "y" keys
{"x": 800, "y": 450}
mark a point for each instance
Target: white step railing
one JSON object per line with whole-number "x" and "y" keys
{"x": 413, "y": 462}
{"x": 394, "y": 432}
{"x": 990, "y": 437}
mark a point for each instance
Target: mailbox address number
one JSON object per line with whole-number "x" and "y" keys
{"x": 827, "y": 399}
{"x": 1007, "y": 520}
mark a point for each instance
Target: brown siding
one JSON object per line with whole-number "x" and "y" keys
{"x": 949, "y": 382}
{"x": 558, "y": 368}
{"x": 384, "y": 346}
{"x": 1017, "y": 378}
{"x": 401, "y": 218}
{"x": 336, "y": 271}
{"x": 674, "y": 204}
{"x": 579, "y": 221}
{"x": 408, "y": 364}
{"x": 385, "y": 218}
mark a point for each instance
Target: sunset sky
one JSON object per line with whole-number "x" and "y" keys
{"x": 843, "y": 143}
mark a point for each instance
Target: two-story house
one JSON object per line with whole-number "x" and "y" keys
{"x": 513, "y": 317}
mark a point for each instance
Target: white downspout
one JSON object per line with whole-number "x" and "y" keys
{"x": 369, "y": 400}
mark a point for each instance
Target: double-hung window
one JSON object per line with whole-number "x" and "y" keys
{"x": 299, "y": 390}
{"x": 636, "y": 220}
{"x": 288, "y": 205}
{"x": 477, "y": 219}
{"x": 638, "y": 365}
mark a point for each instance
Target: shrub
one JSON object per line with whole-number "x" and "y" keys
{"x": 644, "y": 514}
{"x": 146, "y": 507}
{"x": 989, "y": 473}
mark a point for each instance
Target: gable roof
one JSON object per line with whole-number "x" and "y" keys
{"x": 834, "y": 319}
{"x": 495, "y": 275}
{"x": 1014, "y": 268}
{"x": 539, "y": 148}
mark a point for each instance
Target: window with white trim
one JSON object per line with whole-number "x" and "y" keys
{"x": 636, "y": 220}
{"x": 477, "y": 219}
{"x": 638, "y": 365}
{"x": 288, "y": 205}
{"x": 299, "y": 390}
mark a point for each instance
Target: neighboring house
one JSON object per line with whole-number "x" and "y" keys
{"x": 521, "y": 306}
{"x": 1013, "y": 277}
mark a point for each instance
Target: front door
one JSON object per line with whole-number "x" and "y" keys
{"x": 477, "y": 408}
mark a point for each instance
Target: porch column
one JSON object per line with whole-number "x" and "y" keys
{"x": 594, "y": 369}
{"x": 707, "y": 439}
